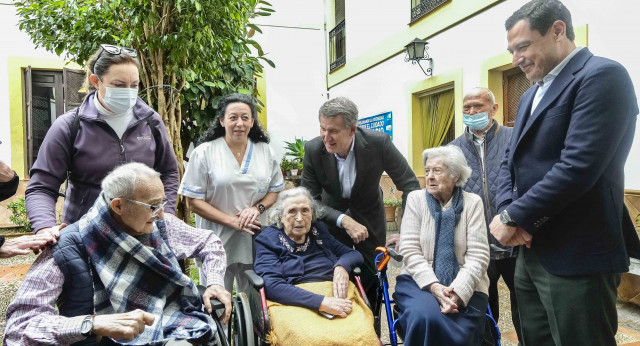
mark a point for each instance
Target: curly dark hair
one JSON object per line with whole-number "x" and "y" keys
{"x": 256, "y": 134}
{"x": 541, "y": 14}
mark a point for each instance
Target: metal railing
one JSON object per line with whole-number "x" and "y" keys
{"x": 337, "y": 47}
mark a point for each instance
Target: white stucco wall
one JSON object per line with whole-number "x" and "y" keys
{"x": 293, "y": 37}
{"x": 613, "y": 33}
{"x": 14, "y": 43}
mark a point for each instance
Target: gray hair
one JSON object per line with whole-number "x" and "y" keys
{"x": 479, "y": 91}
{"x": 277, "y": 210}
{"x": 340, "y": 106}
{"x": 454, "y": 160}
{"x": 121, "y": 182}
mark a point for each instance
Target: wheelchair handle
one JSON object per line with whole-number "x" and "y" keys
{"x": 216, "y": 304}
{"x": 396, "y": 256}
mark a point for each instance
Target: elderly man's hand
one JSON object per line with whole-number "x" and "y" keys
{"x": 218, "y": 292}
{"x": 25, "y": 244}
{"x": 125, "y": 326}
{"x": 340, "y": 282}
{"x": 444, "y": 297}
{"x": 355, "y": 230}
{"x": 500, "y": 231}
{"x": 336, "y": 306}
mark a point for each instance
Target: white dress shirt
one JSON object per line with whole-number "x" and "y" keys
{"x": 548, "y": 79}
{"x": 347, "y": 175}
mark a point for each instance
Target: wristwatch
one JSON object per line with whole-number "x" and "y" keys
{"x": 506, "y": 219}
{"x": 86, "y": 328}
{"x": 261, "y": 208}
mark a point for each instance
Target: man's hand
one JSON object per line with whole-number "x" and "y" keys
{"x": 25, "y": 244}
{"x": 356, "y": 231}
{"x": 218, "y": 292}
{"x": 444, "y": 296}
{"x": 126, "y": 326}
{"x": 340, "y": 282}
{"x": 336, "y": 306}
{"x": 520, "y": 237}
{"x": 6, "y": 173}
{"x": 247, "y": 216}
{"x": 394, "y": 239}
{"x": 500, "y": 231}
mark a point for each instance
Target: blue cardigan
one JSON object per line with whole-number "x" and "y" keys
{"x": 281, "y": 269}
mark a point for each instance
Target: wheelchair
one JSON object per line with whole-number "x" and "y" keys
{"x": 249, "y": 324}
{"x": 492, "y": 334}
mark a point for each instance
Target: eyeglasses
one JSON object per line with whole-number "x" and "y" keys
{"x": 155, "y": 209}
{"x": 435, "y": 171}
{"x": 116, "y": 50}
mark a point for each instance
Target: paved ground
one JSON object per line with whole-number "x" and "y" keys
{"x": 12, "y": 271}
{"x": 628, "y": 316}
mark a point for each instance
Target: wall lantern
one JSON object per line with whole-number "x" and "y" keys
{"x": 416, "y": 51}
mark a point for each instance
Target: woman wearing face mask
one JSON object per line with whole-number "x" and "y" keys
{"x": 112, "y": 126}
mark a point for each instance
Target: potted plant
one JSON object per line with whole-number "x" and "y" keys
{"x": 285, "y": 166}
{"x": 390, "y": 205}
{"x": 295, "y": 149}
{"x": 296, "y": 167}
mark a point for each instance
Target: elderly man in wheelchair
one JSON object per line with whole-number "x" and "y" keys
{"x": 115, "y": 278}
{"x": 306, "y": 278}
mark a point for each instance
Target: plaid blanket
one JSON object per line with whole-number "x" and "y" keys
{"x": 142, "y": 273}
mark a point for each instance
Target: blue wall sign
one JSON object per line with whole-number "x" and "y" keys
{"x": 381, "y": 122}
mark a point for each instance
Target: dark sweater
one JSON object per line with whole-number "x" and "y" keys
{"x": 9, "y": 188}
{"x": 281, "y": 269}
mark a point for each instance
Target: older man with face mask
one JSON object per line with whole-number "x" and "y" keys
{"x": 483, "y": 143}
{"x": 114, "y": 274}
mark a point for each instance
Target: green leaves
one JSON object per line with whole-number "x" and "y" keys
{"x": 200, "y": 48}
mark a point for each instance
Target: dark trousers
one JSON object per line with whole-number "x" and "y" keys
{"x": 506, "y": 268}
{"x": 367, "y": 248}
{"x": 424, "y": 324}
{"x": 565, "y": 310}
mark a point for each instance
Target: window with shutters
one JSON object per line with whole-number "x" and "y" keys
{"x": 514, "y": 83}
{"x": 48, "y": 95}
{"x": 337, "y": 39}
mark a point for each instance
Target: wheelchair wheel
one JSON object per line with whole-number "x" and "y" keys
{"x": 242, "y": 329}
{"x": 490, "y": 337}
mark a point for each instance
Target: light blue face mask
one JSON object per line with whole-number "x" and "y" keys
{"x": 477, "y": 121}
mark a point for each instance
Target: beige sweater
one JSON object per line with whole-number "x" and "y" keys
{"x": 417, "y": 242}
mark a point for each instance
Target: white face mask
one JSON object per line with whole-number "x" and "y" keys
{"x": 119, "y": 100}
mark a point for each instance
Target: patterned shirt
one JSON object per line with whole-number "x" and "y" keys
{"x": 32, "y": 317}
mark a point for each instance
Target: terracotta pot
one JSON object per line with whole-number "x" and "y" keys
{"x": 390, "y": 213}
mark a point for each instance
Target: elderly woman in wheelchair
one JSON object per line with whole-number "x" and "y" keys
{"x": 306, "y": 276}
{"x": 441, "y": 291}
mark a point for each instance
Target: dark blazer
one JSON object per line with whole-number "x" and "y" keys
{"x": 375, "y": 154}
{"x": 562, "y": 178}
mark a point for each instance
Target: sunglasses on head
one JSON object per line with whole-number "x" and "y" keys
{"x": 116, "y": 50}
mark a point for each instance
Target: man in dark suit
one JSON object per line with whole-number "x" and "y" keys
{"x": 561, "y": 183}
{"x": 342, "y": 169}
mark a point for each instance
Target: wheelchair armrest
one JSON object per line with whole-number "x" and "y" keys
{"x": 215, "y": 303}
{"x": 357, "y": 271}
{"x": 254, "y": 279}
